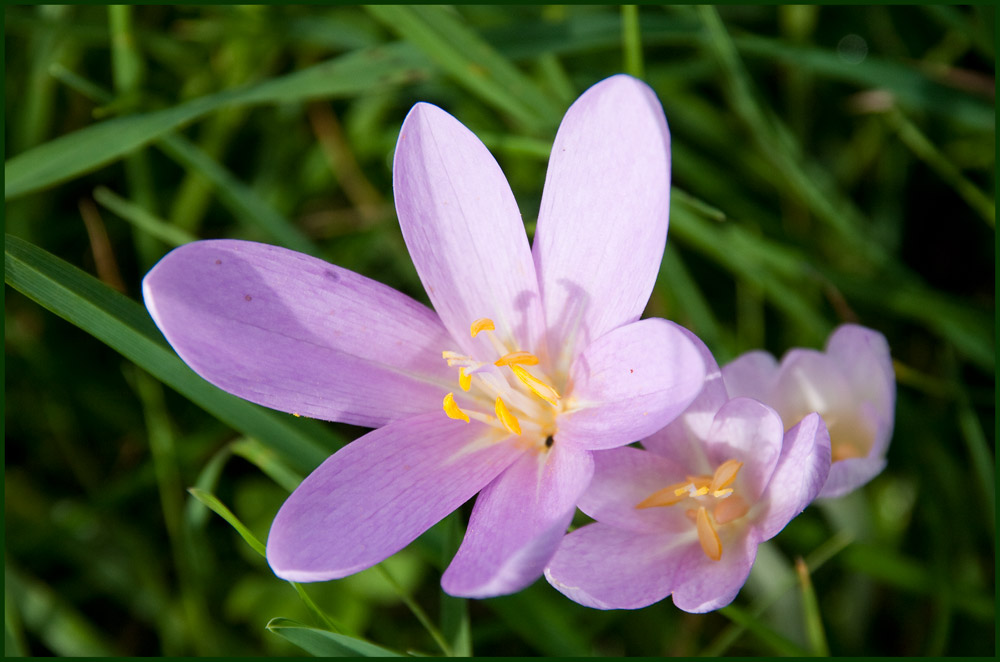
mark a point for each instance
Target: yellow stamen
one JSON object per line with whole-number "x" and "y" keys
{"x": 709, "y": 539}
{"x": 725, "y": 474}
{"x": 668, "y": 496}
{"x": 514, "y": 358}
{"x": 537, "y": 386}
{"x": 464, "y": 380}
{"x": 507, "y": 418}
{"x": 452, "y": 410}
{"x": 482, "y": 324}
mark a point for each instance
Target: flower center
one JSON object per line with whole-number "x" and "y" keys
{"x": 512, "y": 386}
{"x": 710, "y": 502}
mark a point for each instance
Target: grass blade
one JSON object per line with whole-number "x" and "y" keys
{"x": 90, "y": 148}
{"x": 124, "y": 326}
{"x": 220, "y": 509}
{"x": 325, "y": 644}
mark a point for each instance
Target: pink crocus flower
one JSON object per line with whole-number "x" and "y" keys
{"x": 531, "y": 359}
{"x": 685, "y": 516}
{"x": 852, "y": 386}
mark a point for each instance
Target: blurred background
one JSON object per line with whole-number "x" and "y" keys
{"x": 831, "y": 164}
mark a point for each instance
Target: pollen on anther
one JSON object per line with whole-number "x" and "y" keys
{"x": 517, "y": 358}
{"x": 464, "y": 380}
{"x": 537, "y": 386}
{"x": 725, "y": 474}
{"x": 508, "y": 419}
{"x": 481, "y": 324}
{"x": 452, "y": 410}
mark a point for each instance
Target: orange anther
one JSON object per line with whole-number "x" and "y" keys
{"x": 481, "y": 324}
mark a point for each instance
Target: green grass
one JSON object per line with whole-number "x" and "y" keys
{"x": 809, "y": 189}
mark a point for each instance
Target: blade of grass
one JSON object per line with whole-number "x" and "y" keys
{"x": 15, "y": 644}
{"x": 125, "y": 326}
{"x": 925, "y": 150}
{"x": 59, "y": 626}
{"x": 416, "y": 610}
{"x": 798, "y": 175}
{"x": 242, "y": 201}
{"x": 455, "y": 624}
{"x": 777, "y": 643}
{"x": 632, "y": 41}
{"x": 142, "y": 219}
{"x": 267, "y": 461}
{"x": 471, "y": 61}
{"x": 819, "y": 557}
{"x": 360, "y": 72}
{"x": 325, "y": 644}
{"x": 211, "y": 502}
{"x": 811, "y": 613}
{"x": 908, "y": 85}
{"x": 165, "y": 465}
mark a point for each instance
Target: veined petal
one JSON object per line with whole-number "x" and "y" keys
{"x": 517, "y": 522}
{"x": 810, "y": 381}
{"x": 623, "y": 478}
{"x": 629, "y": 383}
{"x": 604, "y": 567}
{"x": 704, "y": 585}
{"x": 602, "y": 224}
{"x": 377, "y": 494}
{"x": 752, "y": 433}
{"x": 682, "y": 441}
{"x": 294, "y": 333}
{"x": 798, "y": 477}
{"x": 464, "y": 232}
{"x": 862, "y": 355}
{"x": 751, "y": 375}
{"x": 850, "y": 474}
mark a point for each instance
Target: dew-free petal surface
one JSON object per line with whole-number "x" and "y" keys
{"x": 629, "y": 383}
{"x": 294, "y": 333}
{"x": 798, "y": 477}
{"x": 703, "y": 584}
{"x": 850, "y": 474}
{"x": 751, "y": 375}
{"x": 464, "y": 232}
{"x": 751, "y": 432}
{"x": 604, "y": 567}
{"x": 602, "y": 224}
{"x": 517, "y": 522}
{"x": 377, "y": 494}
{"x": 623, "y": 478}
{"x": 683, "y": 440}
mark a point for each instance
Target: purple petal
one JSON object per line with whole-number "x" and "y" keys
{"x": 297, "y": 334}
{"x": 604, "y": 567}
{"x": 850, "y": 474}
{"x": 703, "y": 584}
{"x": 683, "y": 440}
{"x": 623, "y": 478}
{"x": 602, "y": 224}
{"x": 464, "y": 232}
{"x": 374, "y": 496}
{"x": 750, "y": 432}
{"x": 517, "y": 523}
{"x": 862, "y": 355}
{"x": 751, "y": 375}
{"x": 800, "y": 474}
{"x": 629, "y": 383}
{"x": 809, "y": 381}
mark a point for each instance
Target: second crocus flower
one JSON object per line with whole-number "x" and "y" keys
{"x": 684, "y": 517}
